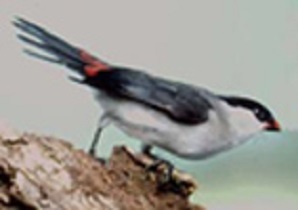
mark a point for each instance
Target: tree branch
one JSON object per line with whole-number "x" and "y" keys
{"x": 38, "y": 172}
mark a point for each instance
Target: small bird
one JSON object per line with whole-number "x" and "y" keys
{"x": 189, "y": 121}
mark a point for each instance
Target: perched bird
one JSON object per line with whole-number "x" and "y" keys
{"x": 188, "y": 121}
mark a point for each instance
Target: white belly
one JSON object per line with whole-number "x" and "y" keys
{"x": 154, "y": 128}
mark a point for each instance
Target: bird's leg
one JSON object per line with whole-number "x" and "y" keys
{"x": 146, "y": 150}
{"x": 103, "y": 122}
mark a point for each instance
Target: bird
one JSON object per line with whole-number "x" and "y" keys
{"x": 189, "y": 121}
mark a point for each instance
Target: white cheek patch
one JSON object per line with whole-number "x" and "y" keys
{"x": 245, "y": 122}
{"x": 243, "y": 117}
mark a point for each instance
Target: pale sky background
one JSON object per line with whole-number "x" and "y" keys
{"x": 234, "y": 47}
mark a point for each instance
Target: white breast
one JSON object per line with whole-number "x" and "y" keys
{"x": 155, "y": 128}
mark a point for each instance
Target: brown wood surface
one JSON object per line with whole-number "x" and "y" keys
{"x": 38, "y": 172}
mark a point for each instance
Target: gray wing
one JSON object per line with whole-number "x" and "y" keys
{"x": 183, "y": 103}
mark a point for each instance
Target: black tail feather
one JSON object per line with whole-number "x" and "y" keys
{"x": 43, "y": 57}
{"x": 61, "y": 58}
{"x": 36, "y": 44}
{"x": 59, "y": 51}
{"x": 48, "y": 38}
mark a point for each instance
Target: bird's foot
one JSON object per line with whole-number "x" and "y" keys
{"x": 147, "y": 150}
{"x": 92, "y": 152}
{"x": 158, "y": 163}
{"x": 166, "y": 180}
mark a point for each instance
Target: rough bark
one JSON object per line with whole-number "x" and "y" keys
{"x": 38, "y": 172}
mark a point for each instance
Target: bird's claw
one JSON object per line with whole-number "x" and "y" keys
{"x": 92, "y": 152}
{"x": 167, "y": 181}
{"x": 168, "y": 169}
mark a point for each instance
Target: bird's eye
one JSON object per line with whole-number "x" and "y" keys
{"x": 256, "y": 112}
{"x": 259, "y": 114}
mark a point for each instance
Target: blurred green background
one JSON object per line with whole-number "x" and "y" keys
{"x": 234, "y": 47}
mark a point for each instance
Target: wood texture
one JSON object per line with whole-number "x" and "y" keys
{"x": 38, "y": 172}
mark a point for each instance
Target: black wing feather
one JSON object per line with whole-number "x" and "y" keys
{"x": 181, "y": 102}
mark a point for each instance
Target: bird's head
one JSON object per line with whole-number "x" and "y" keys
{"x": 254, "y": 110}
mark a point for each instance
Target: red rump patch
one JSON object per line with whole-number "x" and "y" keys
{"x": 93, "y": 65}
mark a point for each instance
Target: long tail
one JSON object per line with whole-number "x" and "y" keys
{"x": 62, "y": 52}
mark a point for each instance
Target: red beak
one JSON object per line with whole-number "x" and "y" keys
{"x": 273, "y": 126}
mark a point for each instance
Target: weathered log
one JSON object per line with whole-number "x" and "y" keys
{"x": 38, "y": 172}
